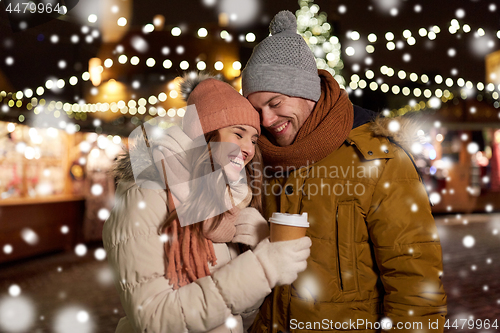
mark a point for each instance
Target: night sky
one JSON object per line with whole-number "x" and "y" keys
{"x": 460, "y": 55}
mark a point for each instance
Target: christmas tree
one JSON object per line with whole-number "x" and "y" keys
{"x": 313, "y": 26}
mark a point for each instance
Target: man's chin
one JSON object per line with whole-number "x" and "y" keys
{"x": 283, "y": 142}
{"x": 278, "y": 140}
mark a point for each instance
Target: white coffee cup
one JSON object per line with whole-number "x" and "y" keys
{"x": 286, "y": 226}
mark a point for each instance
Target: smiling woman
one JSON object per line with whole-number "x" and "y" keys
{"x": 182, "y": 266}
{"x": 240, "y": 148}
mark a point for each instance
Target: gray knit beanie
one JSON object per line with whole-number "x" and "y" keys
{"x": 282, "y": 63}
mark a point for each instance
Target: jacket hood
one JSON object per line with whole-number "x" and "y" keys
{"x": 401, "y": 130}
{"x": 138, "y": 163}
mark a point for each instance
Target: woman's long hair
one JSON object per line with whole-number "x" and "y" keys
{"x": 208, "y": 188}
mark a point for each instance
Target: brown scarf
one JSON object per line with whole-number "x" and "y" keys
{"x": 322, "y": 133}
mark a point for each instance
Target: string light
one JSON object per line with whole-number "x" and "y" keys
{"x": 331, "y": 56}
{"x": 202, "y": 32}
{"x": 250, "y": 37}
{"x": 219, "y": 65}
{"x": 134, "y": 60}
{"x": 176, "y": 31}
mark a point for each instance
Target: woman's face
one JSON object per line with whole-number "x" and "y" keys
{"x": 241, "y": 150}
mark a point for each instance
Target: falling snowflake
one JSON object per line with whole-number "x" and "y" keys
{"x": 103, "y": 214}
{"x": 96, "y": 189}
{"x": 468, "y": 241}
{"x": 71, "y": 128}
{"x": 14, "y": 290}
{"x": 386, "y": 323}
{"x": 394, "y": 126}
{"x": 7, "y": 249}
{"x": 100, "y": 254}
{"x": 74, "y": 320}
{"x": 139, "y": 44}
{"x": 29, "y": 236}
{"x": 16, "y": 314}
{"x": 472, "y": 148}
{"x": 241, "y": 12}
{"x": 435, "y": 198}
{"x": 105, "y": 276}
{"x": 80, "y": 250}
{"x": 231, "y": 322}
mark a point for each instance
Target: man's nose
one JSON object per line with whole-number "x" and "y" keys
{"x": 268, "y": 117}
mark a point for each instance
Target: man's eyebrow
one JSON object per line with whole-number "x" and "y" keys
{"x": 270, "y": 99}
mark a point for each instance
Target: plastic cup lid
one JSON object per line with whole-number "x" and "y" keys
{"x": 296, "y": 220}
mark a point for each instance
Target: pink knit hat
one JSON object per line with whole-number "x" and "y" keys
{"x": 217, "y": 105}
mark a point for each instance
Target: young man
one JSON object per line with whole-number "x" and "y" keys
{"x": 376, "y": 258}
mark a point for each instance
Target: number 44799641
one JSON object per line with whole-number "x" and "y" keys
{"x": 471, "y": 324}
{"x": 36, "y": 8}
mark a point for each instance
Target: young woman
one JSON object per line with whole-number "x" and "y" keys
{"x": 175, "y": 252}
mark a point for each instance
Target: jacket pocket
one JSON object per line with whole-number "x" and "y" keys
{"x": 345, "y": 246}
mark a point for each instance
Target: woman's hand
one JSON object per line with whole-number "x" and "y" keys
{"x": 251, "y": 227}
{"x": 283, "y": 261}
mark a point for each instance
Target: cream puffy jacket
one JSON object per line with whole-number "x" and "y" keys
{"x": 226, "y": 301}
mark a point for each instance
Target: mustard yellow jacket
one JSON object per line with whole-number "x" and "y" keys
{"x": 375, "y": 248}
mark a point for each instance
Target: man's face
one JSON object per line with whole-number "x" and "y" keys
{"x": 281, "y": 115}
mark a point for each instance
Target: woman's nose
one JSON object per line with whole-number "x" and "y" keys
{"x": 247, "y": 149}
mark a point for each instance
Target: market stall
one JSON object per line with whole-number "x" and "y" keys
{"x": 55, "y": 188}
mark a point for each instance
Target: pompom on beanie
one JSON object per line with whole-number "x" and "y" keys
{"x": 216, "y": 104}
{"x": 282, "y": 63}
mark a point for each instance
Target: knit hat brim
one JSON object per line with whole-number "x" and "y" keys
{"x": 213, "y": 105}
{"x": 283, "y": 79}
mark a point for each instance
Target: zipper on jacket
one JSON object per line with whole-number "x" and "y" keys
{"x": 338, "y": 253}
